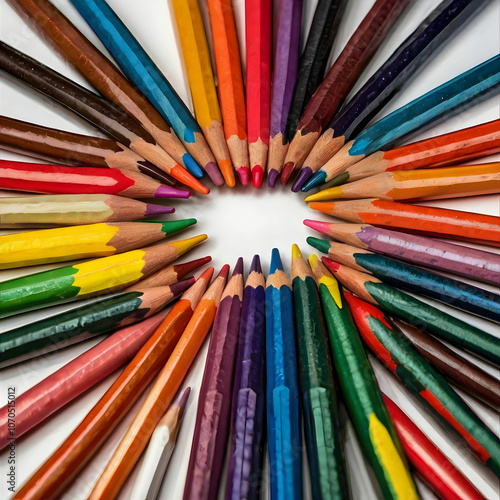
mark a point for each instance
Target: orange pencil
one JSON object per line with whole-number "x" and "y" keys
{"x": 230, "y": 79}
{"x": 439, "y": 151}
{"x": 162, "y": 393}
{"x": 440, "y": 222}
{"x": 59, "y": 471}
{"x": 419, "y": 185}
{"x": 258, "y": 30}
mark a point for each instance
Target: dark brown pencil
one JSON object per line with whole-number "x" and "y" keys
{"x": 99, "y": 71}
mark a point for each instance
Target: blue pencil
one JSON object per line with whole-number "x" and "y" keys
{"x": 247, "y": 413}
{"x": 283, "y": 410}
{"x": 441, "y": 103}
{"x": 142, "y": 71}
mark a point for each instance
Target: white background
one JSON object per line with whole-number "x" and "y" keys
{"x": 239, "y": 222}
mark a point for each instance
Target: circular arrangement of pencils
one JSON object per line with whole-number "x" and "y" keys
{"x": 368, "y": 370}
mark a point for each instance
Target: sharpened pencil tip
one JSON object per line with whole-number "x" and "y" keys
{"x": 181, "y": 286}
{"x": 287, "y": 171}
{"x": 191, "y": 166}
{"x": 182, "y": 399}
{"x": 257, "y": 176}
{"x": 244, "y": 175}
{"x": 238, "y": 268}
{"x": 158, "y": 210}
{"x": 276, "y": 264}
{"x": 316, "y": 180}
{"x": 303, "y": 176}
{"x": 321, "y": 245}
{"x": 224, "y": 272}
{"x": 147, "y": 168}
{"x": 296, "y": 253}
{"x": 185, "y": 268}
{"x": 272, "y": 178}
{"x": 325, "y": 194}
{"x": 170, "y": 192}
{"x": 214, "y": 173}
{"x": 330, "y": 264}
{"x": 256, "y": 265}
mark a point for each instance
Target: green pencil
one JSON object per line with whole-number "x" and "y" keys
{"x": 89, "y": 278}
{"x": 416, "y": 312}
{"x": 319, "y": 395}
{"x": 362, "y": 396}
{"x": 390, "y": 345}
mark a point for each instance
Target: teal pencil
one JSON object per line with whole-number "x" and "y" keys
{"x": 319, "y": 394}
{"x": 283, "y": 404}
{"x": 142, "y": 71}
{"x": 441, "y": 103}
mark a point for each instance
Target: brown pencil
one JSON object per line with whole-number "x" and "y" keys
{"x": 98, "y": 111}
{"x": 100, "y": 72}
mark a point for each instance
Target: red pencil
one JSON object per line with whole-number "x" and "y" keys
{"x": 258, "y": 29}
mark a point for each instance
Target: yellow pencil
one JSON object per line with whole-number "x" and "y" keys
{"x": 201, "y": 81}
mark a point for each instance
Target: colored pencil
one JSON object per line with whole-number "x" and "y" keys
{"x": 137, "y": 65}
{"x": 98, "y": 111}
{"x": 439, "y": 151}
{"x": 454, "y": 367}
{"x": 103, "y": 74}
{"x": 323, "y": 427}
{"x": 418, "y": 313}
{"x": 414, "y": 53}
{"x": 76, "y": 149}
{"x": 444, "y": 479}
{"x": 440, "y": 222}
{"x": 63, "y": 466}
{"x": 443, "y": 102}
{"x": 453, "y": 292}
{"x": 211, "y": 430}
{"x": 258, "y": 33}
{"x": 82, "y": 242}
{"x": 283, "y": 395}
{"x": 74, "y": 378}
{"x": 161, "y": 394}
{"x": 59, "y": 179}
{"x": 247, "y": 412}
{"x": 420, "y": 185}
{"x": 370, "y": 418}
{"x": 472, "y": 263}
{"x": 171, "y": 274}
{"x": 230, "y": 84}
{"x": 284, "y": 76}
{"x": 201, "y": 82}
{"x": 339, "y": 80}
{"x": 89, "y": 278}
{"x": 430, "y": 389}
{"x": 47, "y": 211}
{"x": 160, "y": 448}
{"x": 312, "y": 65}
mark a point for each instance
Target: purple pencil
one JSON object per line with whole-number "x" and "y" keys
{"x": 284, "y": 76}
{"x": 247, "y": 413}
{"x": 464, "y": 261}
{"x": 214, "y": 404}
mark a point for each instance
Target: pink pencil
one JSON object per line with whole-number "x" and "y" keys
{"x": 258, "y": 29}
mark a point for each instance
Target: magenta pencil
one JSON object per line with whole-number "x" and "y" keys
{"x": 214, "y": 404}
{"x": 258, "y": 29}
{"x": 73, "y": 379}
{"x": 286, "y": 60}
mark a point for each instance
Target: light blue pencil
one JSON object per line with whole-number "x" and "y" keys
{"x": 283, "y": 407}
{"x": 142, "y": 71}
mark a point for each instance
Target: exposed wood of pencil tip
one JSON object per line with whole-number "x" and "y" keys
{"x": 326, "y": 146}
{"x": 277, "y": 153}
{"x": 301, "y": 269}
{"x": 300, "y": 147}
{"x": 278, "y": 279}
{"x": 238, "y": 149}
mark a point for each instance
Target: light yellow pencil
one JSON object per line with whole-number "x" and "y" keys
{"x": 201, "y": 81}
